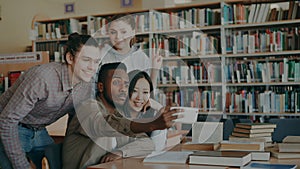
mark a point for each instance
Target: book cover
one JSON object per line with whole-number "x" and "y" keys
{"x": 254, "y": 165}
{"x": 223, "y": 158}
{"x": 13, "y": 76}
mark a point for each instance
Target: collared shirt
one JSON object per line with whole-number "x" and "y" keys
{"x": 38, "y": 98}
{"x": 91, "y": 131}
{"x": 92, "y": 119}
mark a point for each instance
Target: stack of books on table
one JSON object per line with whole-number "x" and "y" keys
{"x": 253, "y": 132}
{"x": 289, "y": 148}
{"x": 256, "y": 149}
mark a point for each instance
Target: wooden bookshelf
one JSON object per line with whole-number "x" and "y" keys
{"x": 183, "y": 27}
{"x": 262, "y": 54}
{"x": 21, "y": 61}
{"x": 12, "y": 65}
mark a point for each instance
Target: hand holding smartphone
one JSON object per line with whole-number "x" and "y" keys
{"x": 188, "y": 116}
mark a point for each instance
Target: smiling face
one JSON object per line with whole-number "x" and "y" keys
{"x": 85, "y": 64}
{"x": 140, "y": 95}
{"x": 120, "y": 34}
{"x": 115, "y": 90}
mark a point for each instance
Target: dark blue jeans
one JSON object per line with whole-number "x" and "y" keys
{"x": 33, "y": 142}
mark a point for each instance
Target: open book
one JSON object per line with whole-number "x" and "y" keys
{"x": 178, "y": 157}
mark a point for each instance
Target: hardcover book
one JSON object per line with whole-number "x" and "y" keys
{"x": 254, "y": 165}
{"x": 260, "y": 155}
{"x": 223, "y": 158}
{"x": 251, "y": 135}
{"x": 241, "y": 146}
{"x": 241, "y": 130}
{"x": 283, "y": 155}
{"x": 200, "y": 146}
{"x": 289, "y": 147}
{"x": 255, "y": 125}
{"x": 256, "y": 139}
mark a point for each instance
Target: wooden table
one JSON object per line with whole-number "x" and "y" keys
{"x": 137, "y": 163}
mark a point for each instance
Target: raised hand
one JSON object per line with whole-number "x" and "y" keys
{"x": 156, "y": 60}
{"x": 165, "y": 118}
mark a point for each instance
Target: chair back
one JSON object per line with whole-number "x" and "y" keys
{"x": 285, "y": 127}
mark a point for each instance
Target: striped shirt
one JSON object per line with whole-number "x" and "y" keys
{"x": 38, "y": 98}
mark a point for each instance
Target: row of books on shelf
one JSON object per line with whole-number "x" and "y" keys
{"x": 193, "y": 74}
{"x": 186, "y": 18}
{"x": 56, "y": 50}
{"x": 255, "y": 13}
{"x": 163, "y": 21}
{"x": 262, "y": 40}
{"x": 144, "y": 21}
{"x": 98, "y": 25}
{"x": 158, "y": 21}
{"x": 263, "y": 101}
{"x": 193, "y": 44}
{"x": 260, "y": 12}
{"x": 58, "y": 29}
{"x": 286, "y": 70}
{"x": 206, "y": 100}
